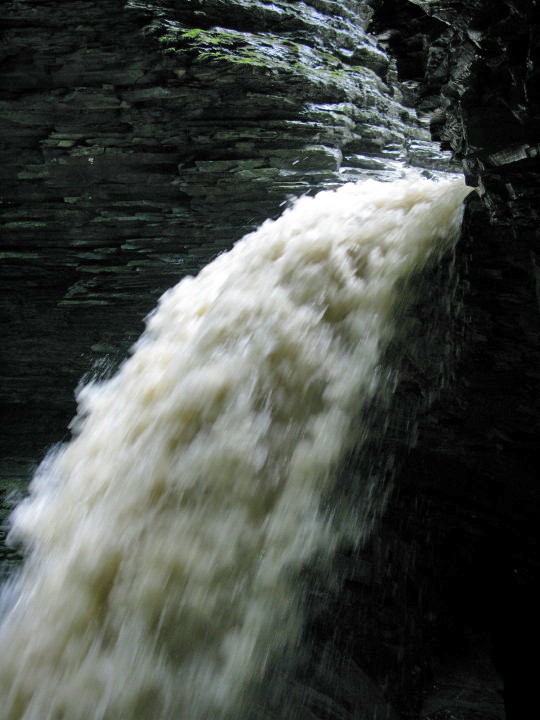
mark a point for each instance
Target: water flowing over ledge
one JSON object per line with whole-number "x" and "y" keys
{"x": 165, "y": 541}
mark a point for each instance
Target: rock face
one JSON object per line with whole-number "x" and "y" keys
{"x": 474, "y": 466}
{"x": 484, "y": 62}
{"x": 139, "y": 141}
{"x": 491, "y": 98}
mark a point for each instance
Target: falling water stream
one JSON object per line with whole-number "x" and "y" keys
{"x": 164, "y": 542}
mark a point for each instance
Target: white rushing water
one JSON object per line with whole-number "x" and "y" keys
{"x": 164, "y": 539}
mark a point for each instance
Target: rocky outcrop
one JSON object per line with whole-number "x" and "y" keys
{"x": 139, "y": 141}
{"x": 413, "y": 39}
{"x": 476, "y": 64}
{"x": 473, "y": 468}
{"x": 490, "y": 100}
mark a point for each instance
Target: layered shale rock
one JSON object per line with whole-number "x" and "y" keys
{"x": 491, "y": 100}
{"x": 140, "y": 139}
{"x": 473, "y": 469}
{"x": 476, "y": 66}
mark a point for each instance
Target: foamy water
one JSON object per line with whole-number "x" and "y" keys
{"x": 166, "y": 538}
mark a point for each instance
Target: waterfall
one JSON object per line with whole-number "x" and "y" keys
{"x": 165, "y": 541}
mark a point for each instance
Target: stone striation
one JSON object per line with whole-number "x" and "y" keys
{"x": 413, "y": 39}
{"x": 473, "y": 473}
{"x": 140, "y": 139}
{"x": 476, "y": 66}
{"x": 490, "y": 100}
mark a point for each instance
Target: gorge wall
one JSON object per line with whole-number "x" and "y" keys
{"x": 474, "y": 66}
{"x": 140, "y": 139}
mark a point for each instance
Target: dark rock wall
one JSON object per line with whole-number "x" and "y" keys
{"x": 491, "y": 99}
{"x": 140, "y": 139}
{"x": 475, "y": 64}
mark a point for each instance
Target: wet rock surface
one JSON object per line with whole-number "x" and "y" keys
{"x": 475, "y": 64}
{"x": 140, "y": 139}
{"x": 474, "y": 467}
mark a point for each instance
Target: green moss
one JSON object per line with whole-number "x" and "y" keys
{"x": 190, "y": 34}
{"x": 240, "y": 59}
{"x": 271, "y": 53}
